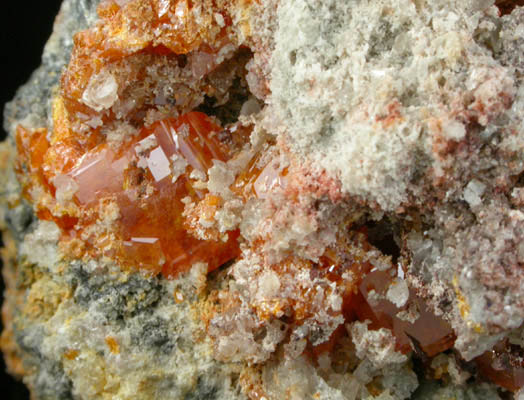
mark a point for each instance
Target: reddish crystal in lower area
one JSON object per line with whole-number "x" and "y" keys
{"x": 148, "y": 180}
{"x": 365, "y": 297}
{"x": 503, "y": 365}
{"x": 412, "y": 324}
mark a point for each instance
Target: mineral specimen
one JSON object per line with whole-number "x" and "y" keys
{"x": 271, "y": 199}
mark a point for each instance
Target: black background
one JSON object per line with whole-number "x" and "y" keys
{"x": 25, "y": 27}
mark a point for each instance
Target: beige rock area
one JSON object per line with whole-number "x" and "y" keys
{"x": 343, "y": 182}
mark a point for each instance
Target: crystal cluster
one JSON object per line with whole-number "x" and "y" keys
{"x": 145, "y": 182}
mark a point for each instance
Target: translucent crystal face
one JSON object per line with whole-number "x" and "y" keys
{"x": 129, "y": 201}
{"x": 261, "y": 176}
{"x": 410, "y": 320}
{"x": 503, "y": 365}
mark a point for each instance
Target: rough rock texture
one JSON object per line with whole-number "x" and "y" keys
{"x": 374, "y": 179}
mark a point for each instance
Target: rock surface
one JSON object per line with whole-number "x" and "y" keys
{"x": 352, "y": 210}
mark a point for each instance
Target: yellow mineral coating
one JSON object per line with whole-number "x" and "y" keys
{"x": 464, "y": 307}
{"x": 71, "y": 354}
{"x": 113, "y": 345}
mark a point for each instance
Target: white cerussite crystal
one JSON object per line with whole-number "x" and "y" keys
{"x": 473, "y": 192}
{"x": 101, "y": 92}
{"x": 398, "y": 292}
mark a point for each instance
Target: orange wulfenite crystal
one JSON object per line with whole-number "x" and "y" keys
{"x": 363, "y": 289}
{"x": 424, "y": 330}
{"x": 129, "y": 29}
{"x": 129, "y": 201}
{"x": 126, "y": 201}
{"x": 503, "y": 365}
{"x": 155, "y": 27}
{"x": 261, "y": 175}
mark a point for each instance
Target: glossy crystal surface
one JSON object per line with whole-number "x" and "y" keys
{"x": 422, "y": 330}
{"x": 129, "y": 200}
{"x": 503, "y": 365}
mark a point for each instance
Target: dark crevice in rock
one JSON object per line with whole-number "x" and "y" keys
{"x": 520, "y": 180}
{"x": 507, "y": 6}
{"x": 381, "y": 234}
{"x": 218, "y": 275}
{"x": 238, "y": 92}
{"x": 420, "y": 366}
{"x": 203, "y": 391}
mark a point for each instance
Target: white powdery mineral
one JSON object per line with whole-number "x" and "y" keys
{"x": 367, "y": 89}
{"x": 378, "y": 346}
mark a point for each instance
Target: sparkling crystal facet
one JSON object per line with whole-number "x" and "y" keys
{"x": 147, "y": 230}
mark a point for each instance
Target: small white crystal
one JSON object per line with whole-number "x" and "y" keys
{"x": 101, "y": 91}
{"x": 268, "y": 285}
{"x": 398, "y": 292}
{"x": 65, "y": 186}
{"x": 454, "y": 130}
{"x": 198, "y": 175}
{"x": 178, "y": 166}
{"x": 163, "y": 7}
{"x": 378, "y": 346}
{"x": 145, "y": 144}
{"x": 220, "y": 20}
{"x": 268, "y": 179}
{"x": 473, "y": 192}
{"x": 220, "y": 178}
